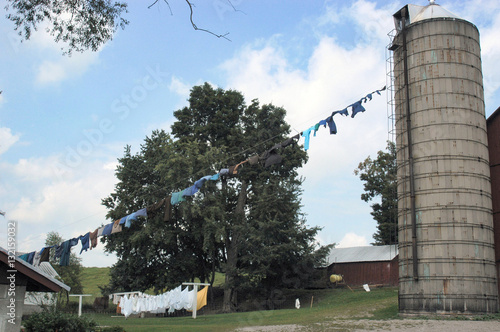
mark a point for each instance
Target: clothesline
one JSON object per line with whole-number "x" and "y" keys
{"x": 175, "y": 299}
{"x": 267, "y": 158}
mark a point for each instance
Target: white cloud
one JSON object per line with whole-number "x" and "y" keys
{"x": 40, "y": 201}
{"x": 352, "y": 240}
{"x": 7, "y": 139}
{"x": 179, "y": 87}
{"x": 64, "y": 67}
{"x": 334, "y": 78}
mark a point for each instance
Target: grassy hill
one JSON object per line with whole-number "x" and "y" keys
{"x": 91, "y": 278}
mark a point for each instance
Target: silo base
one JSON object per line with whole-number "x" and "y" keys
{"x": 418, "y": 305}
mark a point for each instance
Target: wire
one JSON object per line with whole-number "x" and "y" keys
{"x": 204, "y": 171}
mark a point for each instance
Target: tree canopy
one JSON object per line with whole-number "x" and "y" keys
{"x": 247, "y": 226}
{"x": 379, "y": 176}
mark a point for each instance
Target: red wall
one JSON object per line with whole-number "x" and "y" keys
{"x": 372, "y": 273}
{"x": 493, "y": 127}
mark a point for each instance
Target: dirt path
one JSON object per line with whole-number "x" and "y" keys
{"x": 408, "y": 325}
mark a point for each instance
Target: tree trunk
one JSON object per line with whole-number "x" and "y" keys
{"x": 232, "y": 248}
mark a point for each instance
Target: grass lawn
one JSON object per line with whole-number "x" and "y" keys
{"x": 329, "y": 305}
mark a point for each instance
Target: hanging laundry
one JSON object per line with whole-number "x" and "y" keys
{"x": 107, "y": 229}
{"x": 215, "y": 177}
{"x": 127, "y": 220}
{"x": 356, "y": 108}
{"x": 36, "y": 258}
{"x": 24, "y": 257}
{"x": 177, "y": 198}
{"x": 164, "y": 205}
{"x": 45, "y": 254}
{"x": 167, "y": 210}
{"x": 253, "y": 159}
{"x": 141, "y": 213}
{"x": 99, "y": 231}
{"x": 198, "y": 184}
{"x": 316, "y": 127}
{"x": 306, "y": 134}
{"x": 342, "y": 112}
{"x": 31, "y": 256}
{"x": 93, "y": 239}
{"x": 319, "y": 124}
{"x": 224, "y": 171}
{"x": 287, "y": 142}
{"x": 116, "y": 228}
{"x": 233, "y": 170}
{"x": 271, "y": 157}
{"x": 331, "y": 125}
{"x": 66, "y": 251}
{"x": 190, "y": 191}
{"x": 85, "y": 239}
{"x": 202, "y": 298}
{"x": 58, "y": 251}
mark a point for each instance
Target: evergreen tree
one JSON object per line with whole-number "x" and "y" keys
{"x": 248, "y": 226}
{"x": 379, "y": 176}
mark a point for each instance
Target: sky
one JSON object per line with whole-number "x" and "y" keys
{"x": 64, "y": 121}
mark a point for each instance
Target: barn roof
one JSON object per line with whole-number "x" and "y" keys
{"x": 362, "y": 254}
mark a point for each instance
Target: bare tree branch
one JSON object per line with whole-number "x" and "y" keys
{"x": 156, "y": 1}
{"x": 208, "y": 31}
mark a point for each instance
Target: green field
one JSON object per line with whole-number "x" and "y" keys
{"x": 328, "y": 306}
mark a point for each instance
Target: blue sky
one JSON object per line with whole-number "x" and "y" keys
{"x": 64, "y": 121}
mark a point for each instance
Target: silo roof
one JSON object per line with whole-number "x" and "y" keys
{"x": 431, "y": 11}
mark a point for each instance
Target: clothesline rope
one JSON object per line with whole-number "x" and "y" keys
{"x": 271, "y": 157}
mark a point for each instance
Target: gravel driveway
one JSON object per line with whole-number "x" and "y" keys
{"x": 409, "y": 325}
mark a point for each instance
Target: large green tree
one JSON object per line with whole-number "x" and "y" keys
{"x": 379, "y": 176}
{"x": 248, "y": 226}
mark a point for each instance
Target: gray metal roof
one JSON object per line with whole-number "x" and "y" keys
{"x": 362, "y": 254}
{"x": 46, "y": 268}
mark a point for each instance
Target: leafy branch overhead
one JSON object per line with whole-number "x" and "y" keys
{"x": 80, "y": 24}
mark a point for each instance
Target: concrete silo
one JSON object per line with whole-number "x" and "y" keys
{"x": 446, "y": 246}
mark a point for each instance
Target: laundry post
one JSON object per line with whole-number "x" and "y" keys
{"x": 80, "y": 302}
{"x": 195, "y": 299}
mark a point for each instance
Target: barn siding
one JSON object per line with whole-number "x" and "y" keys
{"x": 493, "y": 127}
{"x": 372, "y": 273}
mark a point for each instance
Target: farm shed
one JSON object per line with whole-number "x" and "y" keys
{"x": 373, "y": 265}
{"x": 15, "y": 281}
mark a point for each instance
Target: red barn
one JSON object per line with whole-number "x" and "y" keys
{"x": 372, "y": 265}
{"x": 493, "y": 127}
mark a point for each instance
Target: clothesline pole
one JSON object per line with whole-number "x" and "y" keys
{"x": 195, "y": 296}
{"x": 80, "y": 302}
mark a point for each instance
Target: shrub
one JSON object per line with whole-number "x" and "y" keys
{"x": 57, "y": 321}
